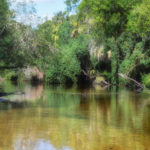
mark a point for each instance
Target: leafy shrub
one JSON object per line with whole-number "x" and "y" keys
{"x": 64, "y": 70}
{"x": 11, "y": 75}
{"x": 107, "y": 75}
{"x": 65, "y": 65}
{"x": 146, "y": 80}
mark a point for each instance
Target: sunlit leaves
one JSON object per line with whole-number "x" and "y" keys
{"x": 139, "y": 18}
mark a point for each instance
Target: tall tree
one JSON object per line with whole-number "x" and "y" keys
{"x": 110, "y": 15}
{"x": 5, "y": 37}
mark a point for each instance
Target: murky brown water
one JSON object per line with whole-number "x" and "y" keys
{"x": 56, "y": 118}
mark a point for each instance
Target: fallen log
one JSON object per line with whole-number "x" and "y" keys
{"x": 104, "y": 83}
{"x": 134, "y": 81}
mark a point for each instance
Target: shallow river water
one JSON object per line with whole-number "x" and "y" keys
{"x": 42, "y": 117}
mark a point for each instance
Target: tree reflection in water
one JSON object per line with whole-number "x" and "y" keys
{"x": 70, "y": 119}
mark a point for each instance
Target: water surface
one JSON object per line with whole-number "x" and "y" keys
{"x": 59, "y": 118}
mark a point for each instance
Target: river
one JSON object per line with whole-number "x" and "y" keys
{"x": 42, "y": 117}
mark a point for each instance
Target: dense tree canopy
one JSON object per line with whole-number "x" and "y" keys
{"x": 5, "y": 38}
{"x": 104, "y": 37}
{"x": 139, "y": 19}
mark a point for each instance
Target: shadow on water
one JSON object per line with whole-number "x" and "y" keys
{"x": 5, "y": 94}
{"x": 5, "y": 104}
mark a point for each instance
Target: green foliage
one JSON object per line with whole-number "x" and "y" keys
{"x": 112, "y": 21}
{"x": 5, "y": 35}
{"x": 59, "y": 18}
{"x": 4, "y": 14}
{"x": 129, "y": 53}
{"x": 60, "y": 55}
{"x": 24, "y": 44}
{"x": 11, "y": 75}
{"x": 65, "y": 65}
{"x": 109, "y": 15}
{"x": 14, "y": 75}
{"x": 107, "y": 75}
{"x": 60, "y": 47}
{"x": 64, "y": 70}
{"x": 146, "y": 80}
{"x": 71, "y": 4}
{"x": 139, "y": 18}
{"x": 64, "y": 33}
{"x": 93, "y": 61}
{"x": 45, "y": 33}
{"x": 16, "y": 40}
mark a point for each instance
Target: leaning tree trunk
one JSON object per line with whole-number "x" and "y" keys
{"x": 132, "y": 80}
